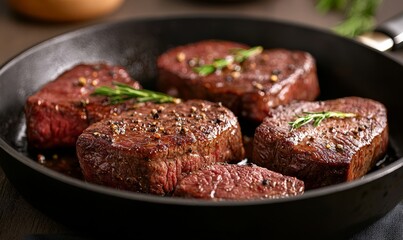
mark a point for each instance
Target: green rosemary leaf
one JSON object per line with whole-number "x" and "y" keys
{"x": 328, "y": 5}
{"x": 222, "y": 62}
{"x": 204, "y": 70}
{"x": 241, "y": 55}
{"x": 122, "y": 92}
{"x": 355, "y": 26}
{"x": 317, "y": 118}
{"x": 359, "y": 15}
{"x": 237, "y": 55}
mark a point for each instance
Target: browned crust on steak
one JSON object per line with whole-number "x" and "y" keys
{"x": 63, "y": 108}
{"x": 274, "y": 77}
{"x": 237, "y": 182}
{"x": 336, "y": 151}
{"x": 149, "y": 148}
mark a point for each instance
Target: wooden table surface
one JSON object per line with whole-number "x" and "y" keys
{"x": 19, "y": 220}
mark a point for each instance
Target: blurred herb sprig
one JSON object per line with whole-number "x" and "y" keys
{"x": 359, "y": 15}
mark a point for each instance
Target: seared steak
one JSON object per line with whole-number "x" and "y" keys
{"x": 149, "y": 148}
{"x": 237, "y": 182}
{"x": 250, "y": 88}
{"x": 63, "y": 108}
{"x": 335, "y": 151}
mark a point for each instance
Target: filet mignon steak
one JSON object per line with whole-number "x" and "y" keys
{"x": 237, "y": 182}
{"x": 64, "y": 107}
{"x": 335, "y": 151}
{"x": 149, "y": 148}
{"x": 249, "y": 88}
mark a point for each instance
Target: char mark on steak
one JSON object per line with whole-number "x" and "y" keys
{"x": 250, "y": 88}
{"x": 58, "y": 113}
{"x": 237, "y": 182}
{"x": 336, "y": 151}
{"x": 149, "y": 148}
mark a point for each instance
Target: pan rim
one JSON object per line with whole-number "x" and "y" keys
{"x": 316, "y": 193}
{"x": 91, "y": 27}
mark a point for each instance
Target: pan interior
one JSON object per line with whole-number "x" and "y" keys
{"x": 345, "y": 68}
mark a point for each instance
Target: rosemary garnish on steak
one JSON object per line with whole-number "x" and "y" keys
{"x": 122, "y": 92}
{"x": 237, "y": 56}
{"x": 317, "y": 118}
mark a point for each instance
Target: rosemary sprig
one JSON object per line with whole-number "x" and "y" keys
{"x": 241, "y": 54}
{"x": 122, "y": 92}
{"x": 317, "y": 118}
{"x": 237, "y": 55}
{"x": 359, "y": 15}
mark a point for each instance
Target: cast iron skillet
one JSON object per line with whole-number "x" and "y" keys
{"x": 345, "y": 68}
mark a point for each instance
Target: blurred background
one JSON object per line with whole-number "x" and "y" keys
{"x": 53, "y": 17}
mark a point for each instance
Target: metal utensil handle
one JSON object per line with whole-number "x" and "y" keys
{"x": 393, "y": 27}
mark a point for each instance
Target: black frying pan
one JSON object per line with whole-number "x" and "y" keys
{"x": 345, "y": 68}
